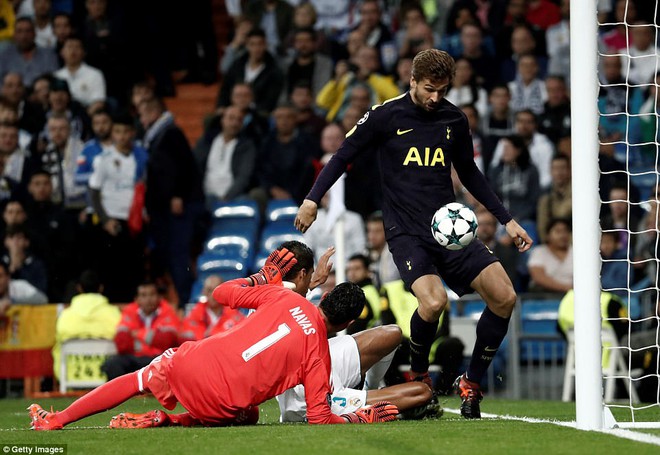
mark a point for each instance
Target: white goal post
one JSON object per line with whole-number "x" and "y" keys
{"x": 586, "y": 205}
{"x": 592, "y": 413}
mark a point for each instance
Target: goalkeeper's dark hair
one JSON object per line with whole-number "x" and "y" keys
{"x": 303, "y": 254}
{"x": 343, "y": 304}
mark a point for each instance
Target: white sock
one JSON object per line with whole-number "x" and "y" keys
{"x": 374, "y": 376}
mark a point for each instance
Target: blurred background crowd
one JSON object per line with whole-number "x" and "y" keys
{"x": 97, "y": 175}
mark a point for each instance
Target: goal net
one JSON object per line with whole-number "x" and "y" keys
{"x": 629, "y": 192}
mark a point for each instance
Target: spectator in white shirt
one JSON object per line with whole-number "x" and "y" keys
{"x": 320, "y": 236}
{"x": 527, "y": 90}
{"x": 540, "y": 148}
{"x": 227, "y": 161}
{"x": 87, "y": 84}
{"x": 42, "y": 22}
{"x": 643, "y": 53}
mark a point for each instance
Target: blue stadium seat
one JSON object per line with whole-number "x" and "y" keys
{"x": 281, "y": 212}
{"x": 227, "y": 268}
{"x": 235, "y": 215}
{"x": 539, "y": 318}
{"x": 239, "y": 244}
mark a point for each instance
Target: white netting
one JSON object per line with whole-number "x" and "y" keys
{"x": 629, "y": 132}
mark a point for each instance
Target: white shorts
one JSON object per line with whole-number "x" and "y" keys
{"x": 345, "y": 376}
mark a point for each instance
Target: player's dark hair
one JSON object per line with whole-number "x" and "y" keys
{"x": 343, "y": 304}
{"x": 303, "y": 254}
{"x": 362, "y": 258}
{"x": 434, "y": 65}
{"x": 89, "y": 282}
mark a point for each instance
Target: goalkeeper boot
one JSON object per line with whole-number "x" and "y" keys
{"x": 43, "y": 420}
{"x": 471, "y": 396}
{"x": 151, "y": 419}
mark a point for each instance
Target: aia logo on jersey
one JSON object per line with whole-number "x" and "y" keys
{"x": 424, "y": 157}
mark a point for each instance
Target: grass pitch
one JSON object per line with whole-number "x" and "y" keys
{"x": 450, "y": 434}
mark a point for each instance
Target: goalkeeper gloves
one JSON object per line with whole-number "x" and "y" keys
{"x": 276, "y": 267}
{"x": 382, "y": 411}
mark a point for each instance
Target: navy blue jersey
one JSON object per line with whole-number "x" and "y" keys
{"x": 415, "y": 150}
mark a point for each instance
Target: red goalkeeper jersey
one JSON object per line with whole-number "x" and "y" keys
{"x": 283, "y": 344}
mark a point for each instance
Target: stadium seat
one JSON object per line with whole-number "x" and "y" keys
{"x": 83, "y": 347}
{"x": 235, "y": 216}
{"x": 281, "y": 212}
{"x": 539, "y": 327}
{"x": 227, "y": 268}
{"x": 235, "y": 244}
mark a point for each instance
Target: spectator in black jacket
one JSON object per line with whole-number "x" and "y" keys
{"x": 259, "y": 69}
{"x": 173, "y": 198}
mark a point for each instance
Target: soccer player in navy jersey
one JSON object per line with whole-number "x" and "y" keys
{"x": 416, "y": 138}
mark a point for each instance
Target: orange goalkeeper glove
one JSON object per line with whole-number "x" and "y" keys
{"x": 276, "y": 267}
{"x": 382, "y": 411}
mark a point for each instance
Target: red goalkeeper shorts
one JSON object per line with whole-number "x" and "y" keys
{"x": 152, "y": 378}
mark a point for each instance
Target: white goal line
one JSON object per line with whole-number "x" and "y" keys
{"x": 618, "y": 432}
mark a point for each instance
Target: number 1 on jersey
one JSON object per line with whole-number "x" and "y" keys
{"x": 266, "y": 342}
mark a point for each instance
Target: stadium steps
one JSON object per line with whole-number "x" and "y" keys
{"x": 193, "y": 102}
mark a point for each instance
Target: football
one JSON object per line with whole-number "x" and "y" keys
{"x": 454, "y": 226}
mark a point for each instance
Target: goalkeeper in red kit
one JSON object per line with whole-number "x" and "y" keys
{"x": 222, "y": 379}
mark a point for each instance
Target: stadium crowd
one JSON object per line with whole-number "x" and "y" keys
{"x": 87, "y": 146}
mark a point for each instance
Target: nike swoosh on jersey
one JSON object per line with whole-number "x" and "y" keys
{"x": 400, "y": 132}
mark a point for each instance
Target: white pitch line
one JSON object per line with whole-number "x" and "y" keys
{"x": 618, "y": 432}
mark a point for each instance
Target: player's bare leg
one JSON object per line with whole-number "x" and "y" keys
{"x": 432, "y": 299}
{"x": 405, "y": 396}
{"x": 374, "y": 344}
{"x": 494, "y": 286}
{"x": 376, "y": 347}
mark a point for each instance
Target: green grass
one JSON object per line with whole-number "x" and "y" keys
{"x": 450, "y": 434}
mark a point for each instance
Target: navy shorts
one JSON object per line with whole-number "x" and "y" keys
{"x": 415, "y": 257}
